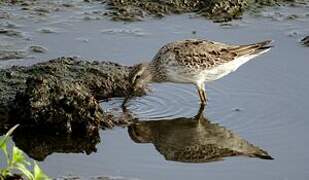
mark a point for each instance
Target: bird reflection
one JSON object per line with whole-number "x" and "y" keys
{"x": 193, "y": 139}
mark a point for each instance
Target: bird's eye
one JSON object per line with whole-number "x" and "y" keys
{"x": 137, "y": 77}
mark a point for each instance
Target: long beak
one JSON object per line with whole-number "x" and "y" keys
{"x": 126, "y": 100}
{"x": 128, "y": 97}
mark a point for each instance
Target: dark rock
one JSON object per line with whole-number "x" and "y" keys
{"x": 62, "y": 95}
{"x": 47, "y": 30}
{"x": 43, "y": 144}
{"x": 305, "y": 41}
{"x": 66, "y": 106}
{"x": 38, "y": 49}
{"x": 13, "y": 177}
{"x": 237, "y": 109}
{"x": 11, "y": 32}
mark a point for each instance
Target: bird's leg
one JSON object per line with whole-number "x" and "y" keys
{"x": 199, "y": 115}
{"x": 202, "y": 93}
{"x": 127, "y": 115}
{"x": 124, "y": 103}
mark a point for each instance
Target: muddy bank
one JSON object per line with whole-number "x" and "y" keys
{"x": 217, "y": 10}
{"x": 62, "y": 95}
{"x": 135, "y": 10}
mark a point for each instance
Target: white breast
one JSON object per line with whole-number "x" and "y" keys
{"x": 224, "y": 69}
{"x": 178, "y": 75}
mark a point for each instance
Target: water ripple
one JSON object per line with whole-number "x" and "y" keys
{"x": 166, "y": 101}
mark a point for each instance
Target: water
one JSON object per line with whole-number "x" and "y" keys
{"x": 264, "y": 102}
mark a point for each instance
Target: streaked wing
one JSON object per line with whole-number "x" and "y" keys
{"x": 206, "y": 54}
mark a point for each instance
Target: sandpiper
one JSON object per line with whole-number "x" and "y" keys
{"x": 194, "y": 61}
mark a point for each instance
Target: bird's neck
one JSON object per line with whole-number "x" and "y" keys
{"x": 155, "y": 73}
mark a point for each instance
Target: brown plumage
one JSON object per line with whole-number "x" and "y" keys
{"x": 204, "y": 53}
{"x": 195, "y": 61}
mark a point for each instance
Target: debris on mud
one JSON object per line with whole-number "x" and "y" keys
{"x": 12, "y": 54}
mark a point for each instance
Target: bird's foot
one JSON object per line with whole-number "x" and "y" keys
{"x": 200, "y": 112}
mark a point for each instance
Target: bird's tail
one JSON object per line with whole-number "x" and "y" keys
{"x": 262, "y": 154}
{"x": 252, "y": 49}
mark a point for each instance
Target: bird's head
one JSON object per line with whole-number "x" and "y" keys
{"x": 139, "y": 76}
{"x": 140, "y": 133}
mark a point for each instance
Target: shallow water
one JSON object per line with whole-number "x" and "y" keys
{"x": 265, "y": 101}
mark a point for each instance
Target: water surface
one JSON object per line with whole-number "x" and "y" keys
{"x": 265, "y": 102}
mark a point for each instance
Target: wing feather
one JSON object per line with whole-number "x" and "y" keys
{"x": 204, "y": 53}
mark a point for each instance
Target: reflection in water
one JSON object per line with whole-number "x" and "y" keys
{"x": 193, "y": 139}
{"x": 38, "y": 145}
{"x": 182, "y": 139}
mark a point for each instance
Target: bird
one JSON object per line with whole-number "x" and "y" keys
{"x": 194, "y": 61}
{"x": 193, "y": 139}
